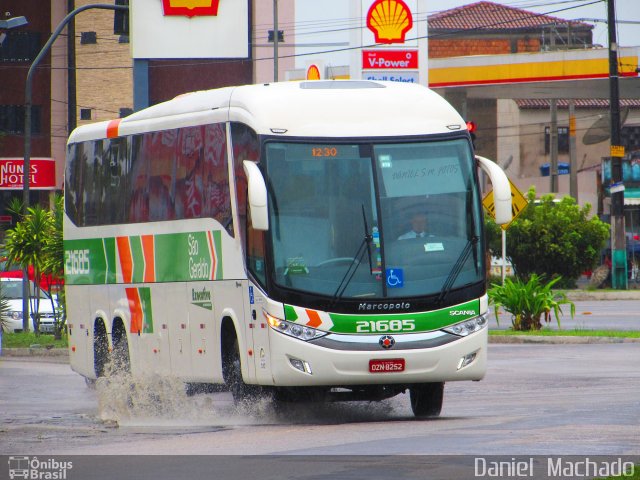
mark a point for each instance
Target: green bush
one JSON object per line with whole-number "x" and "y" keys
{"x": 528, "y": 301}
{"x": 552, "y": 238}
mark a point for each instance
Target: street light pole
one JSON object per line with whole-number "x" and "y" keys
{"x": 26, "y": 169}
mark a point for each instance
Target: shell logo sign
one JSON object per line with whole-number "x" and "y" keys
{"x": 389, "y": 20}
{"x": 191, "y": 8}
{"x": 313, "y": 72}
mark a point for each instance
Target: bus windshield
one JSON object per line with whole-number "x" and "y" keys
{"x": 374, "y": 220}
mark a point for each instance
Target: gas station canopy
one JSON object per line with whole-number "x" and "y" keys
{"x": 579, "y": 73}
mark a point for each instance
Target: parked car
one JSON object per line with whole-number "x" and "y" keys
{"x": 47, "y": 282}
{"x": 11, "y": 289}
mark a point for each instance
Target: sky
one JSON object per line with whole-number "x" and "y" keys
{"x": 331, "y": 17}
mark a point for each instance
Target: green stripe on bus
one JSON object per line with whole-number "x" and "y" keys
{"x": 109, "y": 245}
{"x": 138, "y": 259}
{"x": 418, "y": 322}
{"x": 179, "y": 257}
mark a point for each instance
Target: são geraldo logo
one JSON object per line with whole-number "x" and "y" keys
{"x": 191, "y": 8}
{"x": 389, "y": 20}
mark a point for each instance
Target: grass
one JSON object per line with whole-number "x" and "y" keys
{"x": 545, "y": 332}
{"x": 635, "y": 476}
{"x": 25, "y": 340}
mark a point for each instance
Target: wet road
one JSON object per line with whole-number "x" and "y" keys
{"x": 535, "y": 399}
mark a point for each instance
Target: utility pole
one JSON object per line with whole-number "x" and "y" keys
{"x": 618, "y": 240}
{"x": 26, "y": 169}
{"x": 573, "y": 163}
{"x": 275, "y": 40}
{"x": 553, "y": 147}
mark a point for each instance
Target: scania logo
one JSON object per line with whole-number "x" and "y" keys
{"x": 387, "y": 342}
{"x": 454, "y": 313}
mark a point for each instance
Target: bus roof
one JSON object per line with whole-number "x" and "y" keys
{"x": 333, "y": 108}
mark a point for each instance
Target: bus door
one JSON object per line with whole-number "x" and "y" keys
{"x": 176, "y": 317}
{"x": 257, "y": 323}
{"x": 80, "y": 325}
{"x": 204, "y": 350}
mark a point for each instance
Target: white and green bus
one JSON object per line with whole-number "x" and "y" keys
{"x": 256, "y": 236}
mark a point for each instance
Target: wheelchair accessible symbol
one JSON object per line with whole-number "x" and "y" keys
{"x": 395, "y": 277}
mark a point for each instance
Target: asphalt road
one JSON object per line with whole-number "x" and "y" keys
{"x": 535, "y": 400}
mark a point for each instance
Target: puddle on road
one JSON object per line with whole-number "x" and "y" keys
{"x": 161, "y": 404}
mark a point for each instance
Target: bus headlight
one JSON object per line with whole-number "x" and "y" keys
{"x": 295, "y": 330}
{"x": 468, "y": 326}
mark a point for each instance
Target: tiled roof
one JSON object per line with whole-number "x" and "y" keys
{"x": 494, "y": 16}
{"x": 579, "y": 103}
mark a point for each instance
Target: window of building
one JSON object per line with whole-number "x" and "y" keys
{"x": 125, "y": 112}
{"x": 88, "y": 38}
{"x": 630, "y": 137}
{"x": 85, "y": 114}
{"x": 563, "y": 140}
{"x": 20, "y": 46}
{"x": 12, "y": 119}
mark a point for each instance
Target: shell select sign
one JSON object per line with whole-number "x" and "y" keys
{"x": 389, "y": 20}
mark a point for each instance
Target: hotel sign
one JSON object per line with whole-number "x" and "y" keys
{"x": 43, "y": 174}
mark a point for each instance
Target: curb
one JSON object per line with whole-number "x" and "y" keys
{"x": 596, "y": 295}
{"x": 35, "y": 352}
{"x": 557, "y": 340}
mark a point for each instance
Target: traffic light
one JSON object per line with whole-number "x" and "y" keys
{"x": 471, "y": 126}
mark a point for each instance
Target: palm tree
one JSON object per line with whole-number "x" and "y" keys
{"x": 25, "y": 245}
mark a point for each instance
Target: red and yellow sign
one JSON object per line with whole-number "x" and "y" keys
{"x": 383, "y": 59}
{"x": 191, "y": 8}
{"x": 389, "y": 20}
{"x": 313, "y": 72}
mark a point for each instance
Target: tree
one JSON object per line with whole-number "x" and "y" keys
{"x": 555, "y": 238}
{"x": 28, "y": 245}
{"x": 53, "y": 264}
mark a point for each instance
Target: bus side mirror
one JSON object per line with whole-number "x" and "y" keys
{"x": 501, "y": 189}
{"x": 257, "y": 196}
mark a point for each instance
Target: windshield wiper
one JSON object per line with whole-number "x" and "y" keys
{"x": 365, "y": 246}
{"x": 457, "y": 268}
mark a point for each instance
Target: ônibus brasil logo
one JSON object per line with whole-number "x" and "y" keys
{"x": 33, "y": 468}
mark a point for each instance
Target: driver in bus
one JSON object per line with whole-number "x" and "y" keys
{"x": 418, "y": 227}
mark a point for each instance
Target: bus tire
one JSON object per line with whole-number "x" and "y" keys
{"x": 100, "y": 349}
{"x": 232, "y": 373}
{"x": 426, "y": 399}
{"x": 120, "y": 353}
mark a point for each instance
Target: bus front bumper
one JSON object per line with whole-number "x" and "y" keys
{"x": 298, "y": 363}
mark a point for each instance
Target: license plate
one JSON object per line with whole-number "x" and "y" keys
{"x": 386, "y": 366}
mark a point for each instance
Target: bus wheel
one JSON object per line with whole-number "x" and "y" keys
{"x": 232, "y": 373}
{"x": 100, "y": 349}
{"x": 426, "y": 399}
{"x": 120, "y": 353}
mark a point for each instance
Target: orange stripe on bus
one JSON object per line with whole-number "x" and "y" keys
{"x": 314, "y": 319}
{"x": 126, "y": 259}
{"x": 135, "y": 307}
{"x": 148, "y": 250}
{"x": 112, "y": 128}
